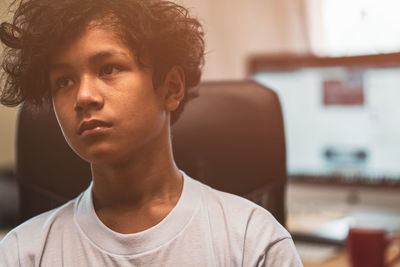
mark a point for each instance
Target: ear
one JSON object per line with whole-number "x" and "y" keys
{"x": 174, "y": 88}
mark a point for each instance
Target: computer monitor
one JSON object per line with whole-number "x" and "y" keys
{"x": 341, "y": 115}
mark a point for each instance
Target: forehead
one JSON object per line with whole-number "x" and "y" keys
{"x": 94, "y": 39}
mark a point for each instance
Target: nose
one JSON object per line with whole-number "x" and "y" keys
{"x": 88, "y": 95}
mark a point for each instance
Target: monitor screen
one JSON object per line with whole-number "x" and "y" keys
{"x": 341, "y": 120}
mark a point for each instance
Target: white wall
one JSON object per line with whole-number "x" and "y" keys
{"x": 234, "y": 30}
{"x": 7, "y": 135}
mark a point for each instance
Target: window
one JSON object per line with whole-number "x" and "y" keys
{"x": 359, "y": 27}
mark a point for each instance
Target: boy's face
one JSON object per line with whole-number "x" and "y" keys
{"x": 104, "y": 102}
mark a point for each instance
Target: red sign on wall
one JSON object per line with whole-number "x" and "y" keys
{"x": 347, "y": 91}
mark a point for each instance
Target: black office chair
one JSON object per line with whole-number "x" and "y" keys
{"x": 230, "y": 137}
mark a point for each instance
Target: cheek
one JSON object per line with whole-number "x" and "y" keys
{"x": 65, "y": 120}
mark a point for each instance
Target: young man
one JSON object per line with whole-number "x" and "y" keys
{"x": 117, "y": 73}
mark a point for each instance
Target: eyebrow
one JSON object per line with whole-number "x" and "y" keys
{"x": 100, "y": 56}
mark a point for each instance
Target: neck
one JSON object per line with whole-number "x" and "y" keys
{"x": 133, "y": 185}
{"x": 144, "y": 176}
{"x": 142, "y": 189}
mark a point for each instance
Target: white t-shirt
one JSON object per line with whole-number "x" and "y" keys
{"x": 205, "y": 228}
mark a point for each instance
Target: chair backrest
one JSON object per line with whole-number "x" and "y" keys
{"x": 230, "y": 137}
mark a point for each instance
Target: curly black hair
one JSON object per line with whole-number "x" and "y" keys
{"x": 162, "y": 32}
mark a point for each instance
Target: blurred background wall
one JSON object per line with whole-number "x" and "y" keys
{"x": 236, "y": 29}
{"x": 233, "y": 29}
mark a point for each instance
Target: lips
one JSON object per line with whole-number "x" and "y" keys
{"x": 88, "y": 125}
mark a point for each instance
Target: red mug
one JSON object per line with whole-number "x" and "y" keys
{"x": 367, "y": 247}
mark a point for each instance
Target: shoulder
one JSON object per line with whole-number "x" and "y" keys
{"x": 244, "y": 212}
{"x": 26, "y": 241}
{"x": 254, "y": 230}
{"x": 41, "y": 223}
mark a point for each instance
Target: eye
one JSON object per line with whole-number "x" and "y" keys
{"x": 109, "y": 70}
{"x": 63, "y": 82}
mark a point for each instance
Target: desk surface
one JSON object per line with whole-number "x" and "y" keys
{"x": 309, "y": 211}
{"x": 341, "y": 259}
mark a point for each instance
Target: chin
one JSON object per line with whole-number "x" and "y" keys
{"x": 103, "y": 158}
{"x": 98, "y": 154}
